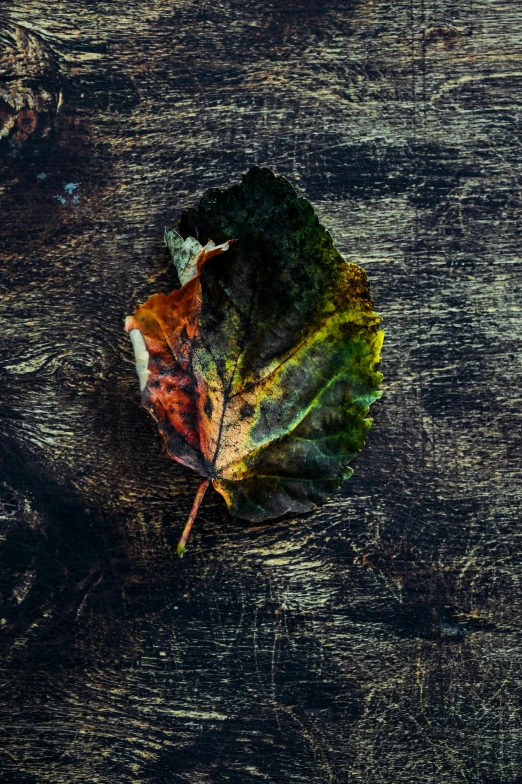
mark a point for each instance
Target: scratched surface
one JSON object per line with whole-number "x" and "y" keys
{"x": 379, "y": 639}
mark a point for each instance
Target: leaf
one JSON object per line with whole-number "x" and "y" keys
{"x": 261, "y": 368}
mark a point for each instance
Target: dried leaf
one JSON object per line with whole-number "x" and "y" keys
{"x": 261, "y": 368}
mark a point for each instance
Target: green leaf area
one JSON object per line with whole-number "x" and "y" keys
{"x": 288, "y": 345}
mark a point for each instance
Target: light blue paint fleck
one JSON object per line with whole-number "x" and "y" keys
{"x": 41, "y": 176}
{"x": 71, "y": 186}
{"x": 61, "y": 199}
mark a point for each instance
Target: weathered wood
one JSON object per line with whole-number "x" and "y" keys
{"x": 378, "y": 639}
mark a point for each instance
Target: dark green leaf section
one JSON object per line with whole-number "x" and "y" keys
{"x": 276, "y": 284}
{"x": 288, "y": 325}
{"x": 301, "y": 468}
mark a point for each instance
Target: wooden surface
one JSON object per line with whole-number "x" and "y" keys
{"x": 378, "y": 639}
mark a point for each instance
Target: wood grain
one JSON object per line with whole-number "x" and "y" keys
{"x": 379, "y": 639}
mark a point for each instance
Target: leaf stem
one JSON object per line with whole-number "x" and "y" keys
{"x": 192, "y": 516}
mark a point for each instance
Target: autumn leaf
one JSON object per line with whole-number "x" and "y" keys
{"x": 260, "y": 370}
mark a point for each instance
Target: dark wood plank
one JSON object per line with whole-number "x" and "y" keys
{"x": 378, "y": 639}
